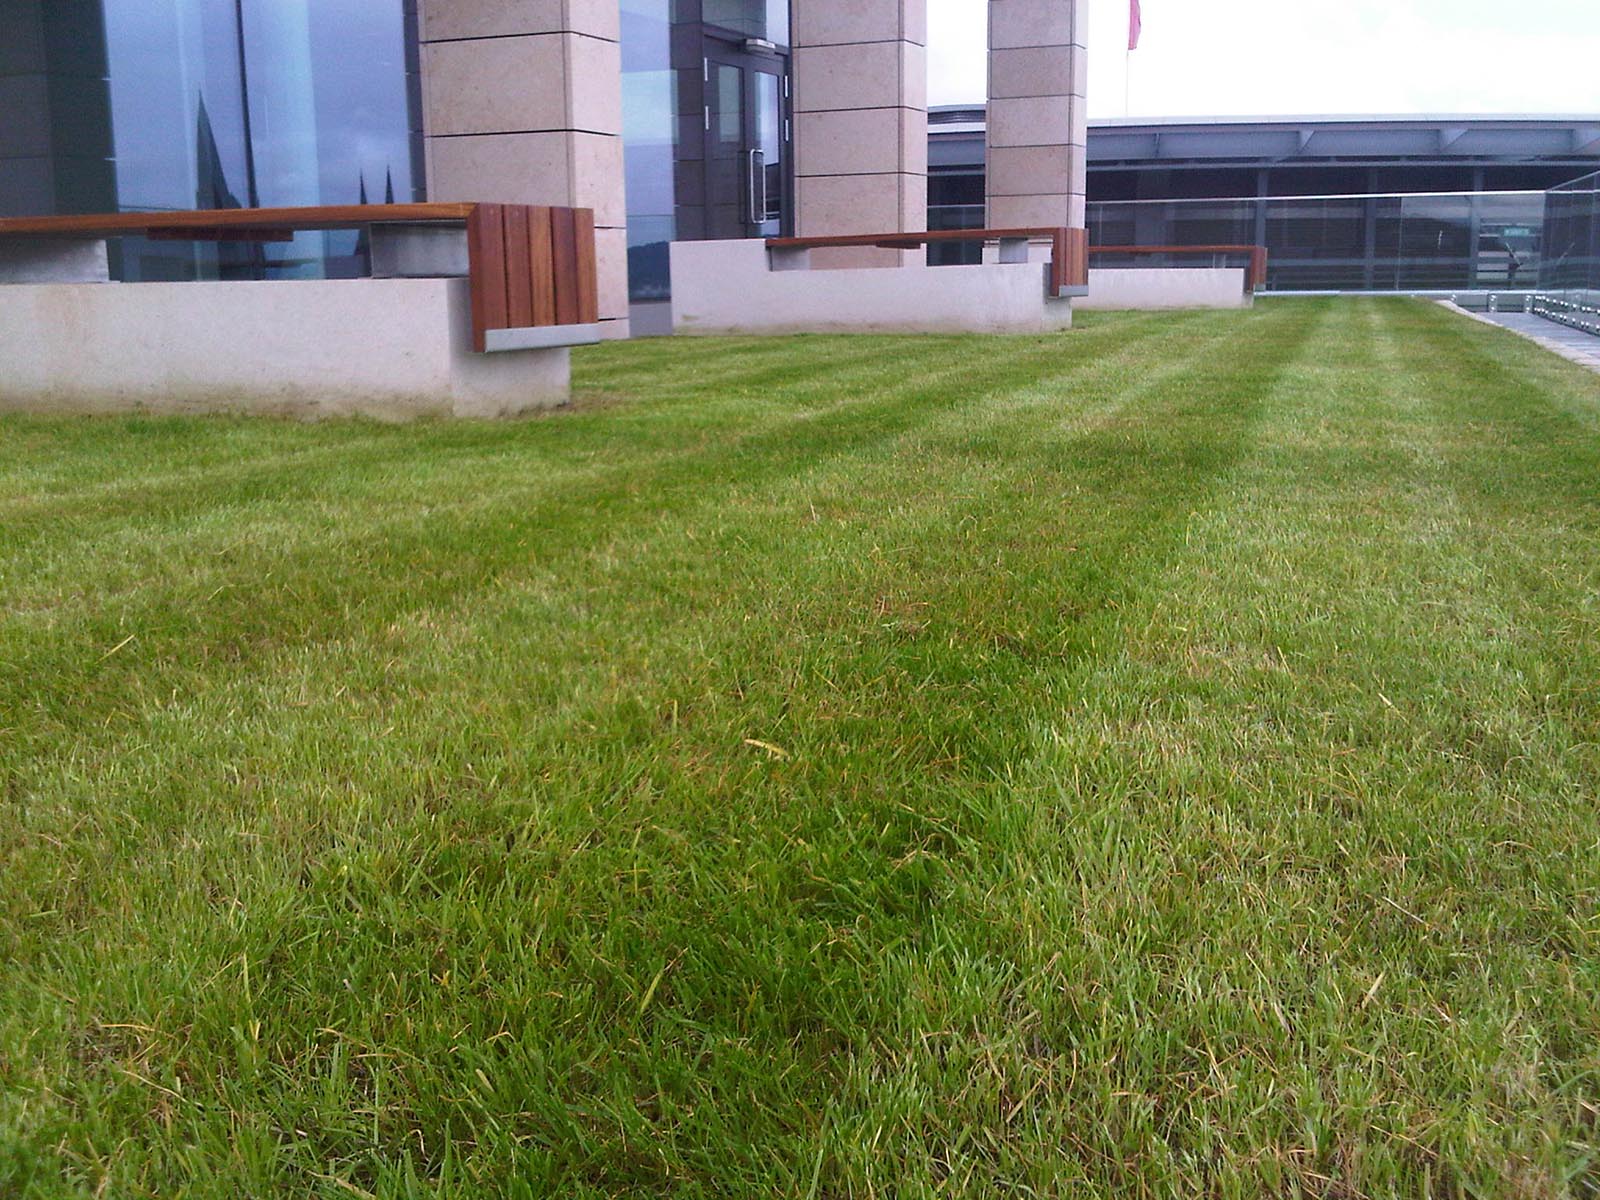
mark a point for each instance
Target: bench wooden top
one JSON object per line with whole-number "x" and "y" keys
{"x": 1069, "y": 264}
{"x": 334, "y": 216}
{"x": 912, "y": 238}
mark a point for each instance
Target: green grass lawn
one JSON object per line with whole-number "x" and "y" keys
{"x": 1159, "y": 760}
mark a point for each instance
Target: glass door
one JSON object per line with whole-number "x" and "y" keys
{"x": 747, "y": 142}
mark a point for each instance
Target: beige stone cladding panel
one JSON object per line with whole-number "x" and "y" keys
{"x": 914, "y": 202}
{"x": 594, "y": 86}
{"x": 864, "y": 75}
{"x": 531, "y": 168}
{"x": 1038, "y": 71}
{"x": 843, "y": 204}
{"x": 449, "y": 19}
{"x": 837, "y": 22}
{"x": 1035, "y": 170}
{"x": 837, "y": 204}
{"x": 860, "y": 101}
{"x": 1035, "y": 121}
{"x": 522, "y": 84}
{"x": 611, "y": 269}
{"x": 859, "y": 141}
{"x": 914, "y": 146}
{"x": 597, "y": 178}
{"x": 1019, "y": 212}
{"x": 1024, "y": 23}
{"x": 1037, "y": 126}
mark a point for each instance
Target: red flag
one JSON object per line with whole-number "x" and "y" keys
{"x": 1134, "y": 24}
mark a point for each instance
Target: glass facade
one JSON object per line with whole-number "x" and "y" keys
{"x": 649, "y": 142}
{"x": 242, "y": 103}
{"x": 705, "y": 127}
{"x": 1469, "y": 240}
{"x": 176, "y": 104}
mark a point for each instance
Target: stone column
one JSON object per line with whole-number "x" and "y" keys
{"x": 860, "y": 120}
{"x": 1038, "y": 114}
{"x": 522, "y": 104}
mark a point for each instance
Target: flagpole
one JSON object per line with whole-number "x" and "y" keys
{"x": 1135, "y": 22}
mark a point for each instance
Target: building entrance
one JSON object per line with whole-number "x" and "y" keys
{"x": 747, "y": 139}
{"x": 706, "y": 129}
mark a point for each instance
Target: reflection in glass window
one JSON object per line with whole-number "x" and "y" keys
{"x": 649, "y": 140}
{"x": 235, "y": 103}
{"x": 765, "y": 19}
{"x": 1571, "y": 265}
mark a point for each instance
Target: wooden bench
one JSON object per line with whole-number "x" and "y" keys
{"x": 530, "y": 268}
{"x": 1069, "y": 262}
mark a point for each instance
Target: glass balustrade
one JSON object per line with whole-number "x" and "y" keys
{"x": 1459, "y": 241}
{"x": 1569, "y": 276}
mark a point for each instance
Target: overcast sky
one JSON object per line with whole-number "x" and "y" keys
{"x": 1300, "y": 57}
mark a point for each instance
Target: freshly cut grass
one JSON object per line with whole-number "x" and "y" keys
{"x": 1156, "y": 760}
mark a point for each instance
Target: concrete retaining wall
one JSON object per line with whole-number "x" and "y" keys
{"x": 388, "y": 348}
{"x": 1166, "y": 287}
{"x": 726, "y": 287}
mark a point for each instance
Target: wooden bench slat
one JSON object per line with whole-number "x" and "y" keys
{"x": 486, "y": 252}
{"x": 588, "y": 278}
{"x": 564, "y": 240}
{"x": 519, "y": 268}
{"x": 542, "y": 265}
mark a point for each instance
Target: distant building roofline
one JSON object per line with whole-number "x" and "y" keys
{"x": 950, "y": 114}
{"x": 1361, "y": 119}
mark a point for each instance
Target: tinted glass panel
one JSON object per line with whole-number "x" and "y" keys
{"x": 725, "y": 166}
{"x": 650, "y": 104}
{"x": 232, "y": 103}
{"x": 328, "y": 108}
{"x": 769, "y": 142}
{"x": 765, "y": 19}
{"x": 1571, "y": 266}
{"x": 955, "y": 216}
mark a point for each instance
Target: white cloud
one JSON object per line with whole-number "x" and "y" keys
{"x": 1301, "y": 57}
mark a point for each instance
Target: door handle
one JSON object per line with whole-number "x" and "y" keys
{"x": 757, "y": 169}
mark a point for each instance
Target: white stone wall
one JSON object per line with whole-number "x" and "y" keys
{"x": 1166, "y": 287}
{"x": 389, "y": 348}
{"x": 726, "y": 287}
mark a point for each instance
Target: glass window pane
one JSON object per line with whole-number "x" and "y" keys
{"x": 769, "y": 141}
{"x": 765, "y": 19}
{"x": 650, "y": 103}
{"x": 294, "y": 107}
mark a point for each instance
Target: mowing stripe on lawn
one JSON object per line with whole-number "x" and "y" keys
{"x": 1118, "y": 771}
